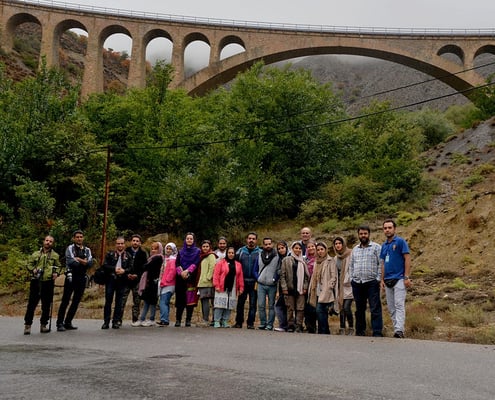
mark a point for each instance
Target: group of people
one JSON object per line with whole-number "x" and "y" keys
{"x": 311, "y": 284}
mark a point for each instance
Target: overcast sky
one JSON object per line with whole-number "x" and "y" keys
{"x": 369, "y": 13}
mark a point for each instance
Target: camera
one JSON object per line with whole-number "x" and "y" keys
{"x": 38, "y": 273}
{"x": 68, "y": 275}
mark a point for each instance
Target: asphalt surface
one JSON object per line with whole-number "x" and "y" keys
{"x": 208, "y": 363}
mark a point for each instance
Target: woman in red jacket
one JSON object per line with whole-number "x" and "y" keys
{"x": 229, "y": 283}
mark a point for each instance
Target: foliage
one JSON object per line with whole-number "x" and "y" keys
{"x": 434, "y": 126}
{"x": 470, "y": 316}
{"x": 13, "y": 272}
{"x": 270, "y": 147}
{"x": 484, "y": 100}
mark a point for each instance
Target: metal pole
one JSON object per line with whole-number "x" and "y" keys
{"x": 105, "y": 211}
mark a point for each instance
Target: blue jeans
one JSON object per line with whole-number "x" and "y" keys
{"x": 368, "y": 292}
{"x": 147, "y": 306}
{"x": 249, "y": 290}
{"x": 165, "y": 306}
{"x": 263, "y": 292}
{"x": 322, "y": 310}
{"x": 221, "y": 315}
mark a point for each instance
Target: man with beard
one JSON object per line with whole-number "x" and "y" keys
{"x": 365, "y": 272}
{"x": 139, "y": 258}
{"x": 78, "y": 259}
{"x": 396, "y": 267}
{"x": 44, "y": 266}
{"x": 221, "y": 250}
{"x": 267, "y": 272}
{"x": 248, "y": 256}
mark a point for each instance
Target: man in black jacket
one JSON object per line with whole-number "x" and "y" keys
{"x": 139, "y": 258}
{"x": 118, "y": 264}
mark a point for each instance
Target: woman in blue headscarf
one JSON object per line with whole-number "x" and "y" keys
{"x": 186, "y": 296}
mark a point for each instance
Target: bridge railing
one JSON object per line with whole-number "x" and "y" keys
{"x": 256, "y": 24}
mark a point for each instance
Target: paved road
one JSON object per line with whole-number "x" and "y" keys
{"x": 207, "y": 363}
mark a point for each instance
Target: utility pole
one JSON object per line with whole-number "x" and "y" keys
{"x": 105, "y": 211}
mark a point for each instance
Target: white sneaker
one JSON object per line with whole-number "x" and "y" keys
{"x": 136, "y": 323}
{"x": 146, "y": 323}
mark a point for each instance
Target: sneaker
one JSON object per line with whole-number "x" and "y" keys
{"x": 261, "y": 327}
{"x": 279, "y": 330}
{"x": 60, "y": 328}
{"x": 269, "y": 328}
{"x": 27, "y": 329}
{"x": 188, "y": 323}
{"x": 136, "y": 323}
{"x": 115, "y": 326}
{"x": 216, "y": 324}
{"x": 177, "y": 324}
{"x": 350, "y": 332}
{"x": 342, "y": 331}
{"x": 399, "y": 335}
{"x": 146, "y": 323}
{"x": 162, "y": 323}
{"x": 225, "y": 324}
{"x": 203, "y": 324}
{"x": 250, "y": 326}
{"x": 44, "y": 329}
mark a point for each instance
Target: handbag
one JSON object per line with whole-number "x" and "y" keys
{"x": 224, "y": 300}
{"x": 390, "y": 283}
{"x": 142, "y": 283}
{"x": 100, "y": 276}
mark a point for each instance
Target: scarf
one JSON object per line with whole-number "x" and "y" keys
{"x": 174, "y": 250}
{"x": 301, "y": 267}
{"x": 230, "y": 277}
{"x": 204, "y": 255}
{"x": 189, "y": 255}
{"x": 160, "y": 252}
{"x": 343, "y": 256}
{"x": 267, "y": 257}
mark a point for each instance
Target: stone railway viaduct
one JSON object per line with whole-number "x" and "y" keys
{"x": 422, "y": 50}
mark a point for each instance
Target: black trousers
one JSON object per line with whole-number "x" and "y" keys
{"x": 39, "y": 290}
{"x": 76, "y": 290}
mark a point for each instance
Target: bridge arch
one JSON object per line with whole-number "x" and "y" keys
{"x": 154, "y": 34}
{"x": 452, "y": 49}
{"x": 58, "y": 31}
{"x": 13, "y": 22}
{"x": 488, "y": 49}
{"x": 226, "y": 70}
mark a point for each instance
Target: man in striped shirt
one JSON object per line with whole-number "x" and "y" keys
{"x": 365, "y": 271}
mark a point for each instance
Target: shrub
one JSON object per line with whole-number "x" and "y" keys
{"x": 473, "y": 180}
{"x": 459, "y": 284}
{"x": 13, "y": 272}
{"x": 471, "y": 316}
{"x": 485, "y": 335}
{"x": 420, "y": 319}
{"x": 459, "y": 159}
{"x": 405, "y": 218}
